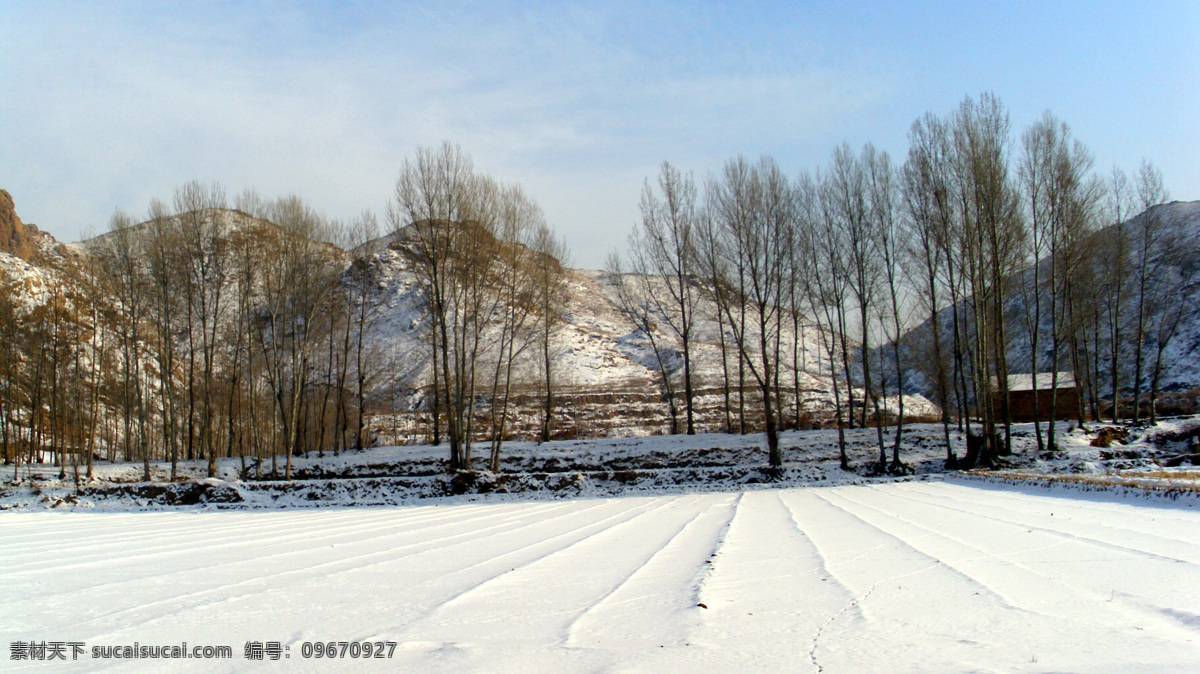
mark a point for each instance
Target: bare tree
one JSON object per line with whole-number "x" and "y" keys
{"x": 12, "y": 391}
{"x": 550, "y": 277}
{"x": 849, "y": 195}
{"x": 92, "y": 288}
{"x": 365, "y": 302}
{"x": 823, "y": 278}
{"x": 453, "y": 214}
{"x": 521, "y": 225}
{"x": 205, "y": 281}
{"x": 753, "y": 210}
{"x": 245, "y": 249}
{"x": 121, "y": 258}
{"x": 927, "y": 199}
{"x": 662, "y": 251}
{"x": 434, "y": 194}
{"x": 884, "y": 198}
{"x": 992, "y": 236}
{"x": 1173, "y": 292}
{"x": 1036, "y": 171}
{"x": 1060, "y": 206}
{"x": 296, "y": 277}
{"x": 1114, "y": 267}
{"x": 634, "y": 301}
{"x": 1151, "y": 193}
{"x": 161, "y": 239}
{"x": 712, "y": 261}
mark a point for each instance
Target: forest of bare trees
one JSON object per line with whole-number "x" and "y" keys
{"x": 234, "y": 327}
{"x": 971, "y": 221}
{"x": 199, "y": 336}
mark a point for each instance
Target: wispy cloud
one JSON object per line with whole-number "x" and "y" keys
{"x": 119, "y": 106}
{"x": 105, "y": 105}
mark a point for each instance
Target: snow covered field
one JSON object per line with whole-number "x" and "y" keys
{"x": 950, "y": 575}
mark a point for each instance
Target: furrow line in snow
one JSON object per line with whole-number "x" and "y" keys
{"x": 855, "y": 603}
{"x": 766, "y": 582}
{"x": 1066, "y": 534}
{"x": 300, "y": 528}
{"x": 277, "y": 530}
{"x": 827, "y": 572}
{"x": 671, "y": 560}
{"x": 523, "y": 556}
{"x": 967, "y": 552}
{"x": 822, "y": 558}
{"x": 302, "y": 570}
{"x": 610, "y": 531}
{"x": 1088, "y": 593}
{"x": 1132, "y": 515}
{"x": 898, "y": 545}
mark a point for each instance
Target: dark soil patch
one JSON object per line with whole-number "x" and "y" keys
{"x": 174, "y": 494}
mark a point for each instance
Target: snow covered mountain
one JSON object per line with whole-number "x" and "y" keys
{"x": 1172, "y": 288}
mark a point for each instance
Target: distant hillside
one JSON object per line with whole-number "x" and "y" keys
{"x": 1176, "y": 262}
{"x": 606, "y": 376}
{"x": 606, "y": 372}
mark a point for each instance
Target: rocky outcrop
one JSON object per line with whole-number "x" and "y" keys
{"x": 16, "y": 238}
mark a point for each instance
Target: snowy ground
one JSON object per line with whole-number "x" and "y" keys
{"x": 937, "y": 575}
{"x": 402, "y": 475}
{"x": 637, "y": 554}
{"x": 608, "y": 467}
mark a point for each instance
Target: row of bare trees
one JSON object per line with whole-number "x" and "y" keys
{"x": 238, "y": 327}
{"x": 1026, "y": 261}
{"x": 759, "y": 253}
{"x": 998, "y": 245}
{"x": 769, "y": 259}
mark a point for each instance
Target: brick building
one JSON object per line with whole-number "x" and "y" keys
{"x": 1020, "y": 397}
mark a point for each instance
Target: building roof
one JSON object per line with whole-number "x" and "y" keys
{"x": 1024, "y": 382}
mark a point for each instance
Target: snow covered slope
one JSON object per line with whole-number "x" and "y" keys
{"x": 1179, "y": 224}
{"x": 605, "y": 371}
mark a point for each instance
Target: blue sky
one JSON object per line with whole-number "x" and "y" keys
{"x": 106, "y": 105}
